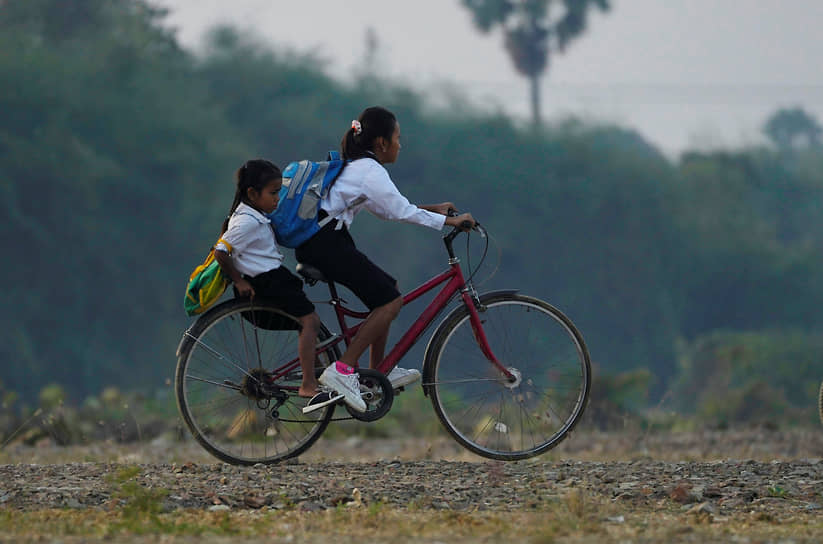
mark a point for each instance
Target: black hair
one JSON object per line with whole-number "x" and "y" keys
{"x": 255, "y": 173}
{"x": 375, "y": 122}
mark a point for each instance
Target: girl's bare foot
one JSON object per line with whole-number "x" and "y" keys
{"x": 308, "y": 391}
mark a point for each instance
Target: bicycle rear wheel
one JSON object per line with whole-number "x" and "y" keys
{"x": 484, "y": 411}
{"x": 232, "y": 397}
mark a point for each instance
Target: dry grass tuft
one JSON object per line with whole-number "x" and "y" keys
{"x": 577, "y": 517}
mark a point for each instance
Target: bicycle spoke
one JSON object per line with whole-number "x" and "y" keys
{"x": 219, "y": 356}
{"x": 227, "y": 386}
{"x": 466, "y": 380}
{"x": 228, "y": 394}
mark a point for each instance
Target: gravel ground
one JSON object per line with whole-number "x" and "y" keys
{"x": 723, "y": 487}
{"x": 721, "y": 473}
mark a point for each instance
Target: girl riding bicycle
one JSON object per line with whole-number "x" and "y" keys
{"x": 508, "y": 374}
{"x": 372, "y": 141}
{"x": 248, "y": 254}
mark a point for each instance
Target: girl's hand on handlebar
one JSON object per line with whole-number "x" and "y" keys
{"x": 464, "y": 221}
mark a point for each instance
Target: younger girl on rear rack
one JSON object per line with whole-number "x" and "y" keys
{"x": 248, "y": 254}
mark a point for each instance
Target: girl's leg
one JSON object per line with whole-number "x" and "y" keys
{"x": 378, "y": 349}
{"x": 374, "y": 332}
{"x": 306, "y": 342}
{"x": 334, "y": 253}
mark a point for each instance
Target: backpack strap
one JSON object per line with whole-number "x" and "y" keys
{"x": 325, "y": 221}
{"x": 335, "y": 156}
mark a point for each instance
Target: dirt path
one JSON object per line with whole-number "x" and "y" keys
{"x": 721, "y": 487}
{"x": 717, "y": 473}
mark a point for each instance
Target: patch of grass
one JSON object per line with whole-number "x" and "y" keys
{"x": 577, "y": 516}
{"x": 140, "y": 505}
{"x": 376, "y": 508}
{"x": 777, "y": 492}
{"x": 286, "y": 502}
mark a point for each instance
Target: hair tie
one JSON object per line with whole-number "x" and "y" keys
{"x": 357, "y": 127}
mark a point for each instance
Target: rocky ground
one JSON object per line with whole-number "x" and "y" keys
{"x": 710, "y": 473}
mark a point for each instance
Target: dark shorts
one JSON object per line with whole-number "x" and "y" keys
{"x": 333, "y": 252}
{"x": 284, "y": 289}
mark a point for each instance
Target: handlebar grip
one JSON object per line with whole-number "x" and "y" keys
{"x": 466, "y": 225}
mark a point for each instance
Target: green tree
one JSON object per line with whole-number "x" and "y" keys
{"x": 745, "y": 376}
{"x": 790, "y": 128}
{"x": 116, "y": 156}
{"x": 533, "y": 30}
{"x": 106, "y": 150}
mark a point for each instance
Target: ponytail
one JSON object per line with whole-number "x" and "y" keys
{"x": 255, "y": 174}
{"x": 235, "y": 203}
{"x": 358, "y": 142}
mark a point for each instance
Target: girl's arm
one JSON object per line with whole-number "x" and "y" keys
{"x": 244, "y": 288}
{"x": 442, "y": 208}
{"x": 386, "y": 202}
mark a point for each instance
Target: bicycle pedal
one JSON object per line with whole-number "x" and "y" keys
{"x": 320, "y": 400}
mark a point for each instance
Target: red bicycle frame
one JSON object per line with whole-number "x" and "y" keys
{"x": 455, "y": 283}
{"x": 453, "y": 278}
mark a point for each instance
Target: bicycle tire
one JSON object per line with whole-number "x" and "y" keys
{"x": 222, "y": 361}
{"x": 483, "y": 411}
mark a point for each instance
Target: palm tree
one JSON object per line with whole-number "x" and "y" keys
{"x": 532, "y": 30}
{"x": 791, "y": 127}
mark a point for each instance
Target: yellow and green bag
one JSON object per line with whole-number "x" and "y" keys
{"x": 206, "y": 284}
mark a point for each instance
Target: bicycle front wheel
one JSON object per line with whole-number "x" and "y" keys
{"x": 236, "y": 382}
{"x": 489, "y": 414}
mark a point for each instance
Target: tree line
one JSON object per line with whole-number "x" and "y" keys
{"x": 117, "y": 149}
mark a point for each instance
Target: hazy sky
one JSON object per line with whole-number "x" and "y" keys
{"x": 684, "y": 73}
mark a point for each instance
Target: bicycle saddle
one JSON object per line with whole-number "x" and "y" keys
{"x": 310, "y": 273}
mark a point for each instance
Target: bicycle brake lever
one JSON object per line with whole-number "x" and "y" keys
{"x": 477, "y": 228}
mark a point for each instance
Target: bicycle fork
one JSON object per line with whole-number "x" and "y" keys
{"x": 473, "y": 304}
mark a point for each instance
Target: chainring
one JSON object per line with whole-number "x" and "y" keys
{"x": 378, "y": 393}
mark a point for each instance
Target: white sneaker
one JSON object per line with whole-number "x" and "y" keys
{"x": 346, "y": 384}
{"x": 403, "y": 376}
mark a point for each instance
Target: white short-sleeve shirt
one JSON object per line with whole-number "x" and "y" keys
{"x": 253, "y": 247}
{"x": 367, "y": 181}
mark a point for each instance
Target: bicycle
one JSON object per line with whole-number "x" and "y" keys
{"x": 508, "y": 375}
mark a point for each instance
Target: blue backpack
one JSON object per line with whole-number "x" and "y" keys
{"x": 305, "y": 184}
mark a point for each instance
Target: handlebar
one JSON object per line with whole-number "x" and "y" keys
{"x": 464, "y": 226}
